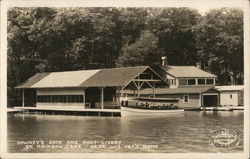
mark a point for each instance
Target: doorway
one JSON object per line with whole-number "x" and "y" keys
{"x": 210, "y": 100}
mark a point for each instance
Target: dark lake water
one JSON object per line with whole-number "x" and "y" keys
{"x": 185, "y": 132}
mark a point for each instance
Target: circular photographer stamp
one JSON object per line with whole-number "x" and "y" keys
{"x": 225, "y": 139}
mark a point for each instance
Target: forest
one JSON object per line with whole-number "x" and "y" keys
{"x": 64, "y": 39}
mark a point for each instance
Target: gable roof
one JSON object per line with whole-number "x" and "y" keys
{"x": 184, "y": 90}
{"x": 65, "y": 79}
{"x": 85, "y": 78}
{"x": 113, "y": 77}
{"x": 187, "y": 71}
{"x": 33, "y": 80}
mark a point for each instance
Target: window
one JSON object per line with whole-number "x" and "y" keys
{"x": 201, "y": 81}
{"x": 55, "y": 98}
{"x": 63, "y": 99}
{"x": 60, "y": 98}
{"x": 44, "y": 99}
{"x": 210, "y": 81}
{"x": 183, "y": 81}
{"x": 171, "y": 81}
{"x": 191, "y": 81}
{"x": 174, "y": 81}
{"x": 231, "y": 96}
{"x": 186, "y": 98}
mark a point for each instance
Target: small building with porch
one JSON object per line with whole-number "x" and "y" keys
{"x": 89, "y": 89}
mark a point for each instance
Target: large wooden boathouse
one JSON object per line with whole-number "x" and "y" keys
{"x": 88, "y": 89}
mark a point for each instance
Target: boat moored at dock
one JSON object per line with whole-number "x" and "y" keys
{"x": 151, "y": 107}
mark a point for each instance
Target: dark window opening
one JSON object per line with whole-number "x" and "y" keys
{"x": 60, "y": 98}
{"x": 201, "y": 82}
{"x": 210, "y": 81}
{"x": 186, "y": 98}
{"x": 183, "y": 81}
{"x": 191, "y": 81}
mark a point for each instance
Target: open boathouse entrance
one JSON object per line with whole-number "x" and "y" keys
{"x": 89, "y": 89}
{"x": 211, "y": 98}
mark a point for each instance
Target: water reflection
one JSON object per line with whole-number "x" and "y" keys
{"x": 183, "y": 132}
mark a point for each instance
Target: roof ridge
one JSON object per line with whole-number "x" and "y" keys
{"x": 123, "y": 67}
{"x": 181, "y": 66}
{"x": 96, "y": 69}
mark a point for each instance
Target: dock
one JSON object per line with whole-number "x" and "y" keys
{"x": 69, "y": 111}
{"x": 222, "y": 108}
{"x": 14, "y": 110}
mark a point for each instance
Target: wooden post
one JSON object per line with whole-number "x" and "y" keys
{"x": 102, "y": 97}
{"x": 84, "y": 98}
{"x": 153, "y": 89}
{"x": 200, "y": 103}
{"x": 23, "y": 97}
{"x": 218, "y": 100}
{"x": 118, "y": 95}
{"x": 138, "y": 92}
{"x": 138, "y": 88}
{"x": 36, "y": 99}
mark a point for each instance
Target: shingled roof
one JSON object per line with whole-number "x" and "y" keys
{"x": 85, "y": 78}
{"x": 33, "y": 80}
{"x": 186, "y": 72}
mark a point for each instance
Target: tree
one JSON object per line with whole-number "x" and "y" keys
{"x": 66, "y": 39}
{"x": 144, "y": 51}
{"x": 27, "y": 31}
{"x": 174, "y": 28}
{"x": 219, "y": 38}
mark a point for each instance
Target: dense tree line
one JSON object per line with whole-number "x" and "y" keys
{"x": 61, "y": 39}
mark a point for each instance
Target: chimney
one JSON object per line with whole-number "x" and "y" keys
{"x": 164, "y": 60}
{"x": 198, "y": 65}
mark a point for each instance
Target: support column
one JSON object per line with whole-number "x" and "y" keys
{"x": 200, "y": 100}
{"x": 138, "y": 88}
{"x": 84, "y": 98}
{"x": 36, "y": 99}
{"x": 118, "y": 97}
{"x": 218, "y": 100}
{"x": 23, "y": 97}
{"x": 153, "y": 89}
{"x": 102, "y": 97}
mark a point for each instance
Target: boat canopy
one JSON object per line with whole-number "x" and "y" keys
{"x": 158, "y": 99}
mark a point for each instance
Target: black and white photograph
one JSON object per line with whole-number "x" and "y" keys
{"x": 125, "y": 80}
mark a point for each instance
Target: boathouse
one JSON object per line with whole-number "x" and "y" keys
{"x": 87, "y": 89}
{"x": 232, "y": 95}
{"x": 193, "y": 87}
{"x": 189, "y": 97}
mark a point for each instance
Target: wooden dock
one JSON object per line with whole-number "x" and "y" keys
{"x": 14, "y": 110}
{"x": 222, "y": 108}
{"x": 69, "y": 111}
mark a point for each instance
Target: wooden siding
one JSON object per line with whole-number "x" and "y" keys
{"x": 234, "y": 101}
{"x": 60, "y": 105}
{"x": 193, "y": 100}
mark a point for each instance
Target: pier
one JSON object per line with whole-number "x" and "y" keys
{"x": 222, "y": 108}
{"x": 68, "y": 111}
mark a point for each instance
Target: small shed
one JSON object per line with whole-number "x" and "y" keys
{"x": 231, "y": 95}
